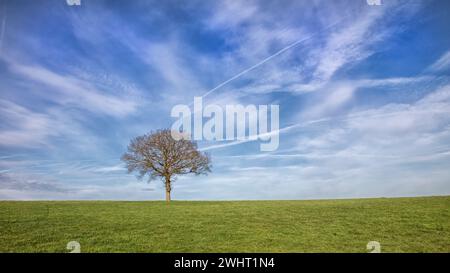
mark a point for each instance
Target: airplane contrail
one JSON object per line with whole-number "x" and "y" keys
{"x": 305, "y": 124}
{"x": 269, "y": 58}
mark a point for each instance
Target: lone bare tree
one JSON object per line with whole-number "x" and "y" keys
{"x": 158, "y": 155}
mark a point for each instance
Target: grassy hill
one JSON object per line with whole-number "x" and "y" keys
{"x": 399, "y": 224}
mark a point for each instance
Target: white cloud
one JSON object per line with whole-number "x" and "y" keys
{"x": 26, "y": 128}
{"x": 230, "y": 14}
{"x": 115, "y": 168}
{"x": 67, "y": 89}
{"x": 337, "y": 95}
{"x": 394, "y": 149}
{"x": 441, "y": 64}
{"x": 346, "y": 45}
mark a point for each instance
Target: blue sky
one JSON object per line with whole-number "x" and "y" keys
{"x": 364, "y": 95}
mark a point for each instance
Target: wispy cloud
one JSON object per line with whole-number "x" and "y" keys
{"x": 67, "y": 89}
{"x": 360, "y": 114}
{"x": 442, "y": 63}
{"x": 347, "y": 45}
{"x": 26, "y": 128}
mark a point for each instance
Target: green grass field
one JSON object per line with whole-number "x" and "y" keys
{"x": 399, "y": 224}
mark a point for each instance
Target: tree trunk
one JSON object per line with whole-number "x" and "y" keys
{"x": 167, "y": 196}
{"x": 168, "y": 189}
